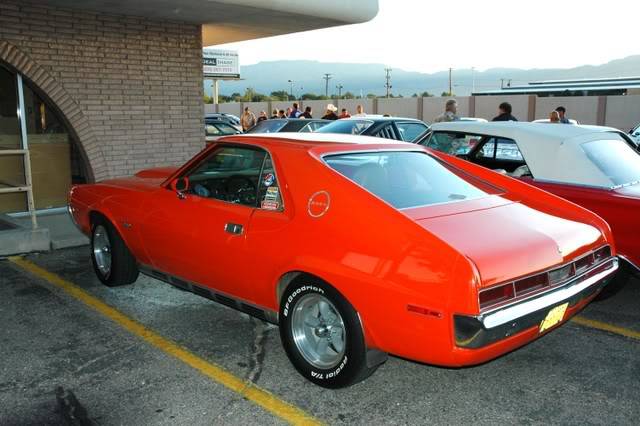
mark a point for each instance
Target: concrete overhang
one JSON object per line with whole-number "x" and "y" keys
{"x": 225, "y": 21}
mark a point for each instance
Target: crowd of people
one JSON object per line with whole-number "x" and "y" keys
{"x": 248, "y": 119}
{"x": 504, "y": 113}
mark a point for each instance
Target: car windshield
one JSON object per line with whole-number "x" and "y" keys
{"x": 616, "y": 159}
{"x": 268, "y": 126}
{"x": 350, "y": 127}
{"x": 408, "y": 179}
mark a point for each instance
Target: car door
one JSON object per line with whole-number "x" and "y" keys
{"x": 199, "y": 235}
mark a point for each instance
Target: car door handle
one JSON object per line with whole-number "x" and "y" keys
{"x": 233, "y": 228}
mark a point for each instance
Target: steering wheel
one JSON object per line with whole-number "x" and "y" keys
{"x": 240, "y": 189}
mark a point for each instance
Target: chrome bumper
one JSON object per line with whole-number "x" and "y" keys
{"x": 477, "y": 331}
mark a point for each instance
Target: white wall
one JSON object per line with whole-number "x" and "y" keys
{"x": 230, "y": 108}
{"x": 487, "y": 106}
{"x": 581, "y": 108}
{"x": 399, "y": 107}
{"x": 432, "y": 107}
{"x": 623, "y": 112}
{"x": 351, "y": 104}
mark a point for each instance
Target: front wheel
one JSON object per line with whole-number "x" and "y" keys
{"x": 112, "y": 261}
{"x": 322, "y": 335}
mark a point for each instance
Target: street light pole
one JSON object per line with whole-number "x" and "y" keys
{"x": 326, "y": 78}
{"x": 291, "y": 88}
{"x": 388, "y": 80}
{"x": 339, "y": 87}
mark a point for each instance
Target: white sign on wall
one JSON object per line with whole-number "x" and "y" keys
{"x": 220, "y": 63}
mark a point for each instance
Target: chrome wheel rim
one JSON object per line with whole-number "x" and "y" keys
{"x": 318, "y": 331}
{"x": 102, "y": 250}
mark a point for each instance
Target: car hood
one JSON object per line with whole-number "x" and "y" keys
{"x": 510, "y": 240}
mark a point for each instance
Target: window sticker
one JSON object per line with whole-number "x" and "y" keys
{"x": 270, "y": 205}
{"x": 272, "y": 193}
{"x": 268, "y": 179}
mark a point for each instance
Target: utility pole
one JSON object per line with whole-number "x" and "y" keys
{"x": 387, "y": 77}
{"x": 509, "y": 83}
{"x": 473, "y": 79}
{"x": 326, "y": 78}
{"x": 339, "y": 87}
{"x": 450, "y": 90}
{"x": 502, "y": 83}
{"x": 291, "y": 89}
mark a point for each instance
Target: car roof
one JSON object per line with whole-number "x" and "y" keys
{"x": 551, "y": 150}
{"x": 374, "y": 117}
{"x": 318, "y": 138}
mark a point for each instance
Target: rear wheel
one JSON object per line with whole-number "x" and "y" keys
{"x": 112, "y": 261}
{"x": 322, "y": 335}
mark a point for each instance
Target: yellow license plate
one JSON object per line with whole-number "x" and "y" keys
{"x": 553, "y": 317}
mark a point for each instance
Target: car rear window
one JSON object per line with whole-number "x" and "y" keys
{"x": 268, "y": 126}
{"x": 350, "y": 127}
{"x": 408, "y": 179}
{"x": 616, "y": 159}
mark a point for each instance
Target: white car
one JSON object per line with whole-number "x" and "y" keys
{"x": 635, "y": 134}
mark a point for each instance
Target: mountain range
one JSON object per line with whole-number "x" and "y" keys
{"x": 266, "y": 77}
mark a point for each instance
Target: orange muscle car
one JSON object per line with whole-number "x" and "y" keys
{"x": 355, "y": 246}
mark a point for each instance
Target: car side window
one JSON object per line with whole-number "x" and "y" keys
{"x": 409, "y": 132}
{"x": 487, "y": 150}
{"x": 386, "y": 132}
{"x": 269, "y": 194}
{"x": 506, "y": 149}
{"x": 453, "y": 143}
{"x": 230, "y": 174}
{"x": 211, "y": 130}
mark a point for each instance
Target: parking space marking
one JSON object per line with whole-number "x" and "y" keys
{"x": 247, "y": 390}
{"x": 606, "y": 327}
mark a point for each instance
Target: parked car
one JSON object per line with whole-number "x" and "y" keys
{"x": 402, "y": 129}
{"x": 215, "y": 130}
{"x": 357, "y": 247}
{"x": 288, "y": 125}
{"x": 635, "y": 135}
{"x": 230, "y": 119}
{"x": 594, "y": 167}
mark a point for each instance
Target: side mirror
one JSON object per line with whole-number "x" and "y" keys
{"x": 179, "y": 186}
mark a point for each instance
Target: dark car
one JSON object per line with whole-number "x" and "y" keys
{"x": 213, "y": 130}
{"x": 401, "y": 129}
{"x": 218, "y": 117}
{"x": 288, "y": 125}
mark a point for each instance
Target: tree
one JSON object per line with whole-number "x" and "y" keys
{"x": 449, "y": 94}
{"x": 415, "y": 95}
{"x": 279, "y": 95}
{"x": 208, "y": 99}
{"x": 371, "y": 96}
{"x": 348, "y": 95}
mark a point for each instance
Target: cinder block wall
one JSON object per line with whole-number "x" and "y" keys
{"x": 131, "y": 88}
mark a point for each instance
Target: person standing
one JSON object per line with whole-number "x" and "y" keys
{"x": 295, "y": 112}
{"x": 306, "y": 113}
{"x": 504, "y": 113}
{"x": 450, "y": 112}
{"x": 554, "y": 117}
{"x": 281, "y": 114}
{"x": 562, "y": 111}
{"x": 344, "y": 114}
{"x": 274, "y": 113}
{"x": 359, "y": 111}
{"x": 248, "y": 119}
{"x": 331, "y": 113}
{"x": 262, "y": 117}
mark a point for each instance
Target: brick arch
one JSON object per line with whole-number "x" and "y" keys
{"x": 60, "y": 99}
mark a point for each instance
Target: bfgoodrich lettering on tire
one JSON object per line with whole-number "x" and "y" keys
{"x": 322, "y": 335}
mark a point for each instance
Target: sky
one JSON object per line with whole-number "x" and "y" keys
{"x": 433, "y": 35}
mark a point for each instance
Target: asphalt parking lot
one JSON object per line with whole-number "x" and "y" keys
{"x": 170, "y": 364}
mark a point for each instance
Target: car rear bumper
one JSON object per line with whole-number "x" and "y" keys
{"x": 477, "y": 332}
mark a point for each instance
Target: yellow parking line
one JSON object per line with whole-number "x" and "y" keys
{"x": 248, "y": 390}
{"x": 606, "y": 327}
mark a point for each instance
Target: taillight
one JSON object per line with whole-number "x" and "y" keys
{"x": 527, "y": 285}
{"x": 496, "y": 295}
{"x": 558, "y": 275}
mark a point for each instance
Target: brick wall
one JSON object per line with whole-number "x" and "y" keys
{"x": 130, "y": 88}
